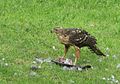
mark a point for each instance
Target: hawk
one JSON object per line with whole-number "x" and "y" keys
{"x": 77, "y": 38}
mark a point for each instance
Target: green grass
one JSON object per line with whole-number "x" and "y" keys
{"x": 25, "y": 33}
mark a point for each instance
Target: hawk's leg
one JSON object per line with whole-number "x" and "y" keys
{"x": 66, "y": 49}
{"x": 62, "y": 59}
{"x": 77, "y": 54}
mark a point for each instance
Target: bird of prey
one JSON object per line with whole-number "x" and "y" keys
{"x": 78, "y": 38}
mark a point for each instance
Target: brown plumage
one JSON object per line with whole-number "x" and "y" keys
{"x": 78, "y": 38}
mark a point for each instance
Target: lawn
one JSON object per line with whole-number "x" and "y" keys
{"x": 25, "y": 34}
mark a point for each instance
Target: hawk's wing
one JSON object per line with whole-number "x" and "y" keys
{"x": 77, "y": 36}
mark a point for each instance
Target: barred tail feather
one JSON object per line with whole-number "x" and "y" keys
{"x": 96, "y": 50}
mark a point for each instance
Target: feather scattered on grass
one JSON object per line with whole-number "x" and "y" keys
{"x": 107, "y": 52}
{"x": 3, "y": 59}
{"x": 118, "y": 66}
{"x": 34, "y": 67}
{"x": 33, "y": 73}
{"x": 34, "y": 62}
{"x": 104, "y": 78}
{"x": 100, "y": 59}
{"x": 111, "y": 79}
{"x": 6, "y": 64}
{"x": 54, "y": 48}
{"x": 47, "y": 60}
{"x": 39, "y": 60}
{"x": 114, "y": 56}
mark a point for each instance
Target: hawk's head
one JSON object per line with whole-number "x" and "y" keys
{"x": 61, "y": 34}
{"x": 58, "y": 30}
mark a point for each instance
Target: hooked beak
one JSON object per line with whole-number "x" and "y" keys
{"x": 55, "y": 30}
